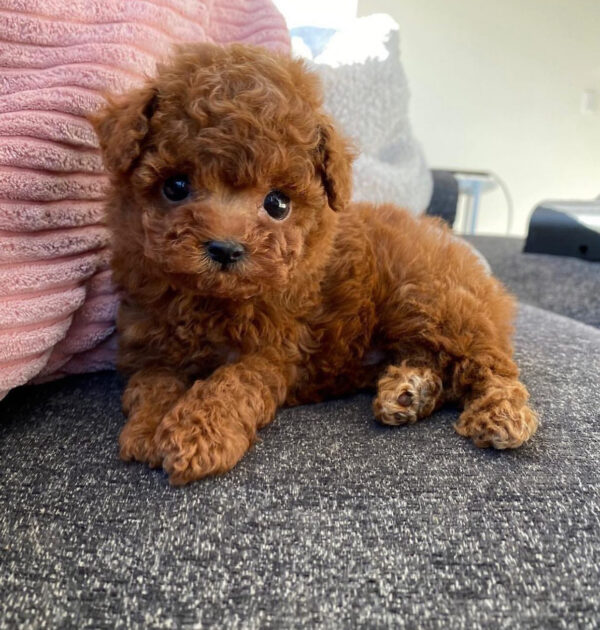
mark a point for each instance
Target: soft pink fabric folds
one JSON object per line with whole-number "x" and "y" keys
{"x": 57, "y": 304}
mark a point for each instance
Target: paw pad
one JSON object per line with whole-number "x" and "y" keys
{"x": 406, "y": 394}
{"x": 405, "y": 399}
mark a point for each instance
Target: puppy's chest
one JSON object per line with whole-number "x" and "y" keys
{"x": 203, "y": 342}
{"x": 326, "y": 339}
{"x": 203, "y": 349}
{"x": 221, "y": 353}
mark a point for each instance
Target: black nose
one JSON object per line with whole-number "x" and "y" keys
{"x": 224, "y": 252}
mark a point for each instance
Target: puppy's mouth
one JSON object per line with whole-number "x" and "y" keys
{"x": 224, "y": 273}
{"x": 227, "y": 267}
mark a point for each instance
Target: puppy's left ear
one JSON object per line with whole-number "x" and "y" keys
{"x": 335, "y": 159}
{"x": 122, "y": 126}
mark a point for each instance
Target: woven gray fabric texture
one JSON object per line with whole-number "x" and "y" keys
{"x": 569, "y": 286}
{"x": 329, "y": 522}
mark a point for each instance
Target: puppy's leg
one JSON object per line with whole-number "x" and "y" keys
{"x": 495, "y": 402}
{"x": 149, "y": 394}
{"x": 214, "y": 423}
{"x": 406, "y": 394}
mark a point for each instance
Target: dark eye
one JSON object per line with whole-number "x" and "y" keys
{"x": 177, "y": 188}
{"x": 277, "y": 204}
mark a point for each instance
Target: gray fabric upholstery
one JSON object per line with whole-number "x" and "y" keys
{"x": 331, "y": 521}
{"x": 569, "y": 286}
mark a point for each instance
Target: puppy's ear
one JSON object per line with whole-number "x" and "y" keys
{"x": 335, "y": 165}
{"x": 122, "y": 126}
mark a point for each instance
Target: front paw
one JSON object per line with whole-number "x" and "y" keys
{"x": 136, "y": 442}
{"x": 147, "y": 398}
{"x": 193, "y": 445}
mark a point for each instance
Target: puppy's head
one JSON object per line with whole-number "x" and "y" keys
{"x": 227, "y": 174}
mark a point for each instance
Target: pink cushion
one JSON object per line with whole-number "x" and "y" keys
{"x": 57, "y": 304}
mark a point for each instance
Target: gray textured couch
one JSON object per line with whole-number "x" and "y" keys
{"x": 331, "y": 521}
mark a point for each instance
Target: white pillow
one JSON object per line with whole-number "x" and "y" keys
{"x": 366, "y": 91}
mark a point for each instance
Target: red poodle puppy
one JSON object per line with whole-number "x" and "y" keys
{"x": 251, "y": 281}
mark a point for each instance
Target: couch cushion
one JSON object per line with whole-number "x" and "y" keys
{"x": 331, "y": 520}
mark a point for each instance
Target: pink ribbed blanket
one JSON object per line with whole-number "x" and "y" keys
{"x": 57, "y": 305}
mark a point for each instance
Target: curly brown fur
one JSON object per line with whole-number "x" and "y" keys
{"x": 334, "y": 298}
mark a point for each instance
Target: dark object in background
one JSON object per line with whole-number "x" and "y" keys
{"x": 567, "y": 228}
{"x": 444, "y": 199}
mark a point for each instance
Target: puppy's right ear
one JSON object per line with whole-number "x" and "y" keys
{"x": 122, "y": 126}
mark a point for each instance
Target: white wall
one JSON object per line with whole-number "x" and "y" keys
{"x": 498, "y": 85}
{"x": 323, "y": 13}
